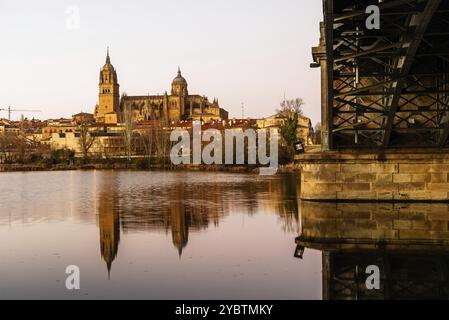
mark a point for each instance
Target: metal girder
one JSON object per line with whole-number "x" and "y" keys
{"x": 358, "y": 13}
{"x": 405, "y": 63}
{"x": 370, "y": 52}
{"x": 329, "y": 27}
{"x": 387, "y": 88}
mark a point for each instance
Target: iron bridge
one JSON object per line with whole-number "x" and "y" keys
{"x": 386, "y": 88}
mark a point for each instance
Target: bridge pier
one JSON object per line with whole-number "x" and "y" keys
{"x": 385, "y": 104}
{"x": 391, "y": 176}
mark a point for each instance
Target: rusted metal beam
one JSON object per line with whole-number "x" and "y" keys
{"x": 405, "y": 63}
{"x": 371, "y": 51}
{"x": 329, "y": 34}
{"x": 382, "y": 6}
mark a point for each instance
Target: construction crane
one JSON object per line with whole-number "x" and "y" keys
{"x": 10, "y": 110}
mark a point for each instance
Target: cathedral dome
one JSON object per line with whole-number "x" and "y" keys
{"x": 179, "y": 78}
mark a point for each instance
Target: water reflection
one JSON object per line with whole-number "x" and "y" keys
{"x": 109, "y": 222}
{"x": 180, "y": 207}
{"x": 408, "y": 242}
{"x": 152, "y": 235}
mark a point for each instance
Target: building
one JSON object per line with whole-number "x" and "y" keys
{"x": 304, "y": 132}
{"x": 107, "y": 141}
{"x": 174, "y": 107}
{"x": 9, "y": 130}
{"x": 107, "y": 110}
{"x": 3, "y": 125}
{"x": 83, "y": 117}
{"x": 49, "y": 130}
{"x": 177, "y": 106}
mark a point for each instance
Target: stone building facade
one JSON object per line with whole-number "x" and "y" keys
{"x": 177, "y": 106}
{"x": 108, "y": 108}
{"x": 174, "y": 107}
{"x": 304, "y": 130}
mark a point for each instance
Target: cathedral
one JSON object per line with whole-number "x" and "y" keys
{"x": 177, "y": 106}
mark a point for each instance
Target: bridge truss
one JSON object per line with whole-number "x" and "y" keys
{"x": 388, "y": 88}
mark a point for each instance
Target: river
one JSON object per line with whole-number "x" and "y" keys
{"x": 153, "y": 235}
{"x": 225, "y": 236}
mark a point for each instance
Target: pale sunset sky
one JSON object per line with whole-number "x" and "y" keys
{"x": 250, "y": 51}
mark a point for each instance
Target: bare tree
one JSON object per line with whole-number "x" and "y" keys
{"x": 6, "y": 146}
{"x": 14, "y": 149}
{"x": 147, "y": 140}
{"x": 317, "y": 134}
{"x": 289, "y": 112}
{"x": 86, "y": 139}
{"x": 128, "y": 130}
{"x": 162, "y": 141}
{"x": 291, "y": 108}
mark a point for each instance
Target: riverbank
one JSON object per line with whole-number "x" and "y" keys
{"x": 290, "y": 168}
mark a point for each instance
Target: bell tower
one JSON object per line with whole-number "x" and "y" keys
{"x": 109, "y": 96}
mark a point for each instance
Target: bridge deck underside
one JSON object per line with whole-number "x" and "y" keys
{"x": 389, "y": 87}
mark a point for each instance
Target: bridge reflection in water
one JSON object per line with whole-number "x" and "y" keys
{"x": 408, "y": 242}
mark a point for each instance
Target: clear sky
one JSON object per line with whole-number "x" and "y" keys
{"x": 250, "y": 51}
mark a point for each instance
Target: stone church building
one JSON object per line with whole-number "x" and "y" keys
{"x": 174, "y": 107}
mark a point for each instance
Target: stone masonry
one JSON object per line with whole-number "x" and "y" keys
{"x": 397, "y": 224}
{"x": 391, "y": 176}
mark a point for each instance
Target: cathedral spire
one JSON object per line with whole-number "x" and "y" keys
{"x": 109, "y": 265}
{"x": 108, "y": 59}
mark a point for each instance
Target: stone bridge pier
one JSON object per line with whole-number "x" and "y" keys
{"x": 390, "y": 176}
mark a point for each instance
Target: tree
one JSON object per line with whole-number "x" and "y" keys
{"x": 128, "y": 131}
{"x": 289, "y": 112}
{"x": 162, "y": 141}
{"x": 146, "y": 140}
{"x": 7, "y": 144}
{"x": 86, "y": 139}
{"x": 290, "y": 108}
{"x": 317, "y": 134}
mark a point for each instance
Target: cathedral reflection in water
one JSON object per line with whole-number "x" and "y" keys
{"x": 408, "y": 242}
{"x": 186, "y": 208}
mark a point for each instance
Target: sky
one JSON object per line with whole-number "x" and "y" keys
{"x": 239, "y": 51}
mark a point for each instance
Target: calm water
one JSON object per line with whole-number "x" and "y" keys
{"x": 155, "y": 235}
{"x": 164, "y": 235}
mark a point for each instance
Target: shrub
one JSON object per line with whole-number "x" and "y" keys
{"x": 143, "y": 164}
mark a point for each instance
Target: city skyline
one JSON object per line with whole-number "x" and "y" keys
{"x": 238, "y": 56}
